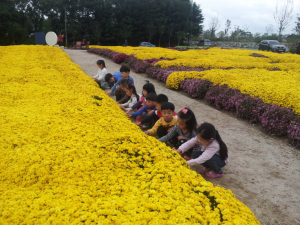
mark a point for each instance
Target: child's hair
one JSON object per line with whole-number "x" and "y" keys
{"x": 151, "y": 96}
{"x": 132, "y": 87}
{"x": 189, "y": 117}
{"x": 107, "y": 77}
{"x": 124, "y": 69}
{"x": 124, "y": 82}
{"x": 208, "y": 131}
{"x": 101, "y": 62}
{"x": 167, "y": 105}
{"x": 161, "y": 98}
{"x": 149, "y": 88}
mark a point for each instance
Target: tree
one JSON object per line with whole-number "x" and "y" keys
{"x": 180, "y": 36}
{"x": 161, "y": 28}
{"x": 269, "y": 29}
{"x": 214, "y": 25}
{"x": 227, "y": 27}
{"x": 221, "y": 35}
{"x": 170, "y": 31}
{"x": 151, "y": 30}
{"x": 297, "y": 28}
{"x": 283, "y": 16}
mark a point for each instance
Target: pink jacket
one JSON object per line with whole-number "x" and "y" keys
{"x": 143, "y": 101}
{"x": 208, "y": 151}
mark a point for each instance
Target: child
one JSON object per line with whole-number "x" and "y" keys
{"x": 149, "y": 106}
{"x": 116, "y": 88}
{"x": 99, "y": 77}
{"x": 166, "y": 123}
{"x": 154, "y": 115}
{"x": 125, "y": 98}
{"x": 184, "y": 130}
{"x": 147, "y": 89}
{"x": 214, "y": 154}
{"x": 134, "y": 97}
{"x": 112, "y": 79}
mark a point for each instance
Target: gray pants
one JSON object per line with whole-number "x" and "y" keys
{"x": 103, "y": 84}
{"x": 215, "y": 163}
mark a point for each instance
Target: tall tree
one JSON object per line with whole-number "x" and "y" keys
{"x": 283, "y": 16}
{"x": 214, "y": 25}
{"x": 227, "y": 27}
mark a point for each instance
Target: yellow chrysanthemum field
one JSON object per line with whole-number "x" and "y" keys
{"x": 69, "y": 155}
{"x": 251, "y": 75}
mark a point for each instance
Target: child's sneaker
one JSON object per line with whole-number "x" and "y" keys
{"x": 213, "y": 174}
{"x": 204, "y": 170}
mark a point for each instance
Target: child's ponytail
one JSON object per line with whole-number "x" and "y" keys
{"x": 207, "y": 131}
{"x": 223, "y": 147}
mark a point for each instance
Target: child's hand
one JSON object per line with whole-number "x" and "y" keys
{"x": 128, "y": 111}
{"x": 122, "y": 107}
{"x": 182, "y": 138}
{"x": 129, "y": 115}
{"x": 150, "y": 112}
{"x": 174, "y": 149}
{"x": 109, "y": 92}
{"x": 179, "y": 151}
{"x": 146, "y": 132}
{"x": 117, "y": 87}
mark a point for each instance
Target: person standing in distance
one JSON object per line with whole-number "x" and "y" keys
{"x": 60, "y": 39}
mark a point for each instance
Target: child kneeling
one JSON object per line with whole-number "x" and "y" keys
{"x": 166, "y": 123}
{"x": 214, "y": 153}
{"x": 133, "y": 96}
{"x": 184, "y": 131}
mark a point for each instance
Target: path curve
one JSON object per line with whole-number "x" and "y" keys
{"x": 263, "y": 171}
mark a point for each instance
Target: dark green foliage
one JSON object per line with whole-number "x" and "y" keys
{"x": 97, "y": 97}
{"x": 109, "y": 22}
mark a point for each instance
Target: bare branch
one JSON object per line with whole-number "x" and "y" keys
{"x": 214, "y": 25}
{"x": 283, "y": 16}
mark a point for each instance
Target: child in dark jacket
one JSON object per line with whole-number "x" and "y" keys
{"x": 149, "y": 106}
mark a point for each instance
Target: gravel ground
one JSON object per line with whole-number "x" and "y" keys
{"x": 263, "y": 171}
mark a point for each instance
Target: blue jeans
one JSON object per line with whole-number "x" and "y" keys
{"x": 215, "y": 163}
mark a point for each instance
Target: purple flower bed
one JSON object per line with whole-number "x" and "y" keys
{"x": 248, "y": 108}
{"x": 119, "y": 58}
{"x": 215, "y": 94}
{"x": 275, "y": 120}
{"x": 196, "y": 88}
{"x": 293, "y": 132}
{"x": 103, "y": 52}
{"x": 138, "y": 65}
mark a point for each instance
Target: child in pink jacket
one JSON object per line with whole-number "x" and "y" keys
{"x": 214, "y": 153}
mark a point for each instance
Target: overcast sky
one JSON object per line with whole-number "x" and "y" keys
{"x": 256, "y": 14}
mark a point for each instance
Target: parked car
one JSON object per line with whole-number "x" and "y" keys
{"x": 272, "y": 45}
{"x": 205, "y": 42}
{"x": 146, "y": 44}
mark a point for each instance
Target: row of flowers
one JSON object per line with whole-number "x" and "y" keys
{"x": 212, "y": 58}
{"x": 62, "y": 161}
{"x": 273, "y": 87}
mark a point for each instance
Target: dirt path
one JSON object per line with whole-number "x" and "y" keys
{"x": 263, "y": 172}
